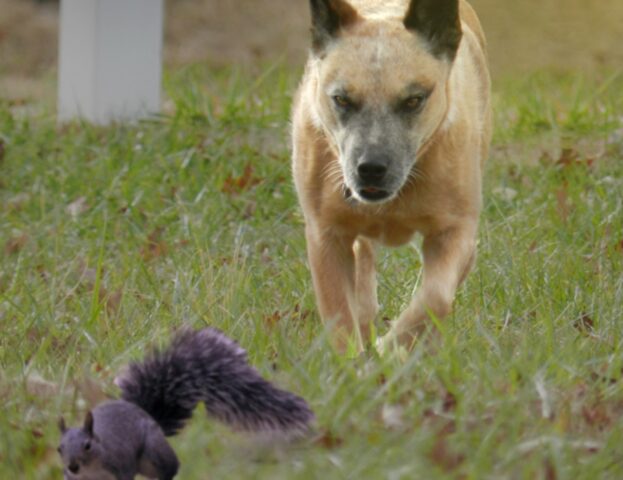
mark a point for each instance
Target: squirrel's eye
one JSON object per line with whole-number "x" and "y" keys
{"x": 87, "y": 445}
{"x": 342, "y": 101}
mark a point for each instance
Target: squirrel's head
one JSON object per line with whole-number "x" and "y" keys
{"x": 80, "y": 448}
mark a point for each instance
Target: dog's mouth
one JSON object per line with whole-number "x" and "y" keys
{"x": 373, "y": 194}
{"x": 368, "y": 194}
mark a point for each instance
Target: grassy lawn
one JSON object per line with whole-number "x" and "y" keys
{"x": 111, "y": 238}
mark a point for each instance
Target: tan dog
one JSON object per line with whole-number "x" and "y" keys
{"x": 391, "y": 127}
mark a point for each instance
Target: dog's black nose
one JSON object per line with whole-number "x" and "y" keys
{"x": 74, "y": 467}
{"x": 372, "y": 169}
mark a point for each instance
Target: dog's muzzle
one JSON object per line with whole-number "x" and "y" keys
{"x": 371, "y": 176}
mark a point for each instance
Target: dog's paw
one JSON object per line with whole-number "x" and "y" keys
{"x": 389, "y": 345}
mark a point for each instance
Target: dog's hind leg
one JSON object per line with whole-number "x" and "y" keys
{"x": 448, "y": 257}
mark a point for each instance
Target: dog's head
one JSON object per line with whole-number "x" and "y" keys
{"x": 381, "y": 88}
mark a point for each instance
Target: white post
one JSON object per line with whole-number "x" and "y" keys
{"x": 110, "y": 59}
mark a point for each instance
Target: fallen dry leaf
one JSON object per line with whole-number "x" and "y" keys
{"x": 300, "y": 314}
{"x": 596, "y": 416}
{"x": 273, "y": 319}
{"x": 15, "y": 244}
{"x": 570, "y": 157}
{"x": 44, "y": 274}
{"x": 329, "y": 440}
{"x": 442, "y": 453}
{"x": 585, "y": 325}
{"x": 449, "y": 402}
{"x": 154, "y": 247}
{"x": 233, "y": 185}
{"x": 550, "y": 470}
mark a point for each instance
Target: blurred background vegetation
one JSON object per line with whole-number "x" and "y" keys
{"x": 524, "y": 36}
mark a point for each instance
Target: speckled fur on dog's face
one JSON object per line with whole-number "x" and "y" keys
{"x": 380, "y": 95}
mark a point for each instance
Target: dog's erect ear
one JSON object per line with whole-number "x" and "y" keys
{"x": 328, "y": 17}
{"x": 88, "y": 424}
{"x": 438, "y": 21}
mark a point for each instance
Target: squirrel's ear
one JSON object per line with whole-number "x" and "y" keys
{"x": 61, "y": 425}
{"x": 88, "y": 423}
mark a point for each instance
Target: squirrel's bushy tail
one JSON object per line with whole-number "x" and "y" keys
{"x": 205, "y": 365}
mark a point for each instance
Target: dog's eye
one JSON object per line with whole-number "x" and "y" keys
{"x": 413, "y": 102}
{"x": 87, "y": 445}
{"x": 342, "y": 101}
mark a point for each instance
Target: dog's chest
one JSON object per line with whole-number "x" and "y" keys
{"x": 391, "y": 231}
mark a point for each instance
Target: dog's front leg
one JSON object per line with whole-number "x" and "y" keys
{"x": 448, "y": 257}
{"x": 366, "y": 303}
{"x": 332, "y": 263}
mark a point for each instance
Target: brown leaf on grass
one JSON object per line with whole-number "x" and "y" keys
{"x": 15, "y": 244}
{"x": 300, "y": 314}
{"x": 273, "y": 319}
{"x": 596, "y": 415}
{"x": 619, "y": 246}
{"x": 449, "y": 402}
{"x": 295, "y": 314}
{"x": 550, "y": 470}
{"x": 234, "y": 185}
{"x": 570, "y": 157}
{"x": 442, "y": 453}
{"x": 532, "y": 247}
{"x": 43, "y": 272}
{"x": 563, "y": 205}
{"x": 329, "y": 440}
{"x": 2, "y": 151}
{"x": 585, "y": 325}
{"x": 155, "y": 247}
